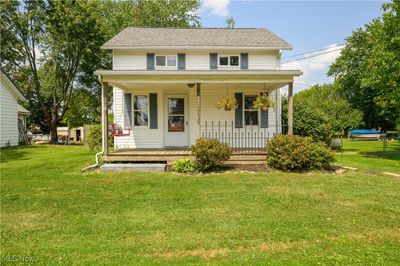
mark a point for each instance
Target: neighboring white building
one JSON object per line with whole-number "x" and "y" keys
{"x": 10, "y": 112}
{"x": 166, "y": 82}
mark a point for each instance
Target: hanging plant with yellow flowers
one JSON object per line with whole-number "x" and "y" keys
{"x": 227, "y": 102}
{"x": 263, "y": 102}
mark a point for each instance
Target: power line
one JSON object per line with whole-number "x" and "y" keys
{"x": 303, "y": 84}
{"x": 303, "y": 58}
{"x": 322, "y": 49}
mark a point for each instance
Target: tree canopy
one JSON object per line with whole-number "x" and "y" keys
{"x": 52, "y": 47}
{"x": 321, "y": 113}
{"x": 367, "y": 72}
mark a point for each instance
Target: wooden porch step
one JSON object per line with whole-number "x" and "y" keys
{"x": 231, "y": 162}
{"x": 250, "y": 157}
{"x": 235, "y": 159}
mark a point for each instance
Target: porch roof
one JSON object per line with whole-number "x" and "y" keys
{"x": 201, "y": 76}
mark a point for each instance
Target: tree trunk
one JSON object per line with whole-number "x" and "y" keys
{"x": 53, "y": 131}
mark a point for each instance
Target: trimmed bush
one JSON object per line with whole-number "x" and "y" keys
{"x": 184, "y": 165}
{"x": 93, "y": 138}
{"x": 210, "y": 154}
{"x": 288, "y": 152}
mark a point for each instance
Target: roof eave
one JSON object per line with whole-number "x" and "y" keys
{"x": 102, "y": 72}
{"x": 12, "y": 87}
{"x": 130, "y": 47}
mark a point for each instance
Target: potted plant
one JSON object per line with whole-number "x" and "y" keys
{"x": 227, "y": 102}
{"x": 263, "y": 102}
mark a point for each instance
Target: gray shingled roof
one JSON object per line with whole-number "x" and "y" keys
{"x": 197, "y": 37}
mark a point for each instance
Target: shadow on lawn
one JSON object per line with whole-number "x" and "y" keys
{"x": 16, "y": 153}
{"x": 391, "y": 155}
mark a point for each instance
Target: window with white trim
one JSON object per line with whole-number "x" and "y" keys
{"x": 229, "y": 61}
{"x": 141, "y": 110}
{"x": 166, "y": 61}
{"x": 250, "y": 114}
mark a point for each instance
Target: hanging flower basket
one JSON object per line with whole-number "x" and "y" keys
{"x": 227, "y": 103}
{"x": 263, "y": 102}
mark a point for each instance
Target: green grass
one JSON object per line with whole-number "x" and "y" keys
{"x": 50, "y": 211}
{"x": 371, "y": 156}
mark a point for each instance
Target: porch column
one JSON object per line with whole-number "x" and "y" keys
{"x": 290, "y": 109}
{"x": 198, "y": 109}
{"x": 104, "y": 117}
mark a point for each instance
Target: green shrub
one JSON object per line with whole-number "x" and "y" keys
{"x": 289, "y": 152}
{"x": 184, "y": 165}
{"x": 93, "y": 138}
{"x": 320, "y": 155}
{"x": 210, "y": 154}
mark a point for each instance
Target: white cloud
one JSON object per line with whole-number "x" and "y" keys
{"x": 216, "y": 7}
{"x": 314, "y": 68}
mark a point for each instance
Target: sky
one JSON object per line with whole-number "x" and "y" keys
{"x": 306, "y": 25}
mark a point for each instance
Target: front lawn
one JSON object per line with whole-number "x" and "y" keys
{"x": 55, "y": 214}
{"x": 371, "y": 155}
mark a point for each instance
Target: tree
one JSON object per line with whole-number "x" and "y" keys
{"x": 51, "y": 47}
{"x": 167, "y": 13}
{"x": 230, "y": 23}
{"x": 320, "y": 112}
{"x": 368, "y": 70}
{"x": 64, "y": 33}
{"x": 84, "y": 109}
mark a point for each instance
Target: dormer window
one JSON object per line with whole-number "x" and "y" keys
{"x": 166, "y": 61}
{"x": 229, "y": 61}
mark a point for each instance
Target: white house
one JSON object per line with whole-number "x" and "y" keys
{"x": 166, "y": 83}
{"x": 10, "y": 111}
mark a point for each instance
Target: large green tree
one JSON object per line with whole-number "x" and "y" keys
{"x": 51, "y": 47}
{"x": 49, "y": 41}
{"x": 368, "y": 70}
{"x": 321, "y": 112}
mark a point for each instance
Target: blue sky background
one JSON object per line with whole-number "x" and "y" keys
{"x": 306, "y": 25}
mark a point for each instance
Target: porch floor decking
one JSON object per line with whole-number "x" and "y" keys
{"x": 239, "y": 156}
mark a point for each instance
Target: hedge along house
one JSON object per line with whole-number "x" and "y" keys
{"x": 166, "y": 83}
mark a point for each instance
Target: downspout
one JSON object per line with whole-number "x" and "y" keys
{"x": 93, "y": 166}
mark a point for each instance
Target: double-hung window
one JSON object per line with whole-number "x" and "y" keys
{"x": 250, "y": 114}
{"x": 141, "y": 110}
{"x": 166, "y": 61}
{"x": 229, "y": 61}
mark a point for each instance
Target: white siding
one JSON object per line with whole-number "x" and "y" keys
{"x": 140, "y": 137}
{"x": 263, "y": 62}
{"x": 144, "y": 137}
{"x": 198, "y": 61}
{"x": 129, "y": 60}
{"x": 8, "y": 118}
{"x": 195, "y": 60}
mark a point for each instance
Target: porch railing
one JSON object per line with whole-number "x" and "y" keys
{"x": 245, "y": 140}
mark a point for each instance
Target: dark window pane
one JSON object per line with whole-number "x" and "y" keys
{"x": 234, "y": 60}
{"x": 160, "y": 60}
{"x": 249, "y": 101}
{"x": 141, "y": 103}
{"x": 251, "y": 118}
{"x": 176, "y": 106}
{"x": 141, "y": 118}
{"x": 223, "y": 61}
{"x": 176, "y": 123}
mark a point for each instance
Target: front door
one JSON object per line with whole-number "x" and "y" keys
{"x": 176, "y": 131}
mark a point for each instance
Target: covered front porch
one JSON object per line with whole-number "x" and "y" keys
{"x": 181, "y": 108}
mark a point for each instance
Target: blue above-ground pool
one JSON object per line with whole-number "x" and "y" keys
{"x": 365, "y": 134}
{"x": 364, "y": 131}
